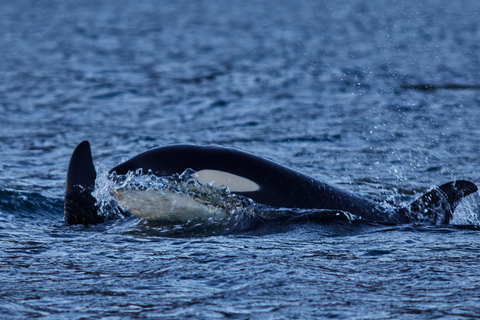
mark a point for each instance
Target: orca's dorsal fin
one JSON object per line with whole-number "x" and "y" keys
{"x": 81, "y": 171}
{"x": 80, "y": 205}
{"x": 437, "y": 205}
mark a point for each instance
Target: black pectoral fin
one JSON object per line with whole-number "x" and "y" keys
{"x": 80, "y": 207}
{"x": 437, "y": 205}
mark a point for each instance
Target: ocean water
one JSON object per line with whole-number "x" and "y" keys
{"x": 380, "y": 98}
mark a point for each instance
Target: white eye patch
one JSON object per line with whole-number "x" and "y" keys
{"x": 221, "y": 178}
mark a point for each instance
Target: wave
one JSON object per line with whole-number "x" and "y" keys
{"x": 29, "y": 205}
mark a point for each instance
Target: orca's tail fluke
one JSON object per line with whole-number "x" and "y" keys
{"x": 80, "y": 205}
{"x": 437, "y": 205}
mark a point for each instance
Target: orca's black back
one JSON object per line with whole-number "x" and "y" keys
{"x": 279, "y": 185}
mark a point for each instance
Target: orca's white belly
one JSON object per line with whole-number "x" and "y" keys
{"x": 165, "y": 205}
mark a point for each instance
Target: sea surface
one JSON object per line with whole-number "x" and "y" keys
{"x": 380, "y": 98}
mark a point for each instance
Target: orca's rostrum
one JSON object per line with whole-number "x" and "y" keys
{"x": 263, "y": 181}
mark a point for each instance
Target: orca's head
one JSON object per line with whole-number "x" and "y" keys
{"x": 80, "y": 206}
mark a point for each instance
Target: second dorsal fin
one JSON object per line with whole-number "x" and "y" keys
{"x": 437, "y": 205}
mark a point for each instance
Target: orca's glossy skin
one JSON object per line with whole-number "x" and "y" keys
{"x": 278, "y": 186}
{"x": 79, "y": 203}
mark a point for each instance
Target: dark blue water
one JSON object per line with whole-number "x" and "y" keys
{"x": 379, "y": 98}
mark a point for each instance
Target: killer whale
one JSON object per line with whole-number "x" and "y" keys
{"x": 263, "y": 181}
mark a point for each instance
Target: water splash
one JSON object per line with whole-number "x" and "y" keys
{"x": 179, "y": 205}
{"x": 467, "y": 212}
{"x": 107, "y": 205}
{"x": 174, "y": 199}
